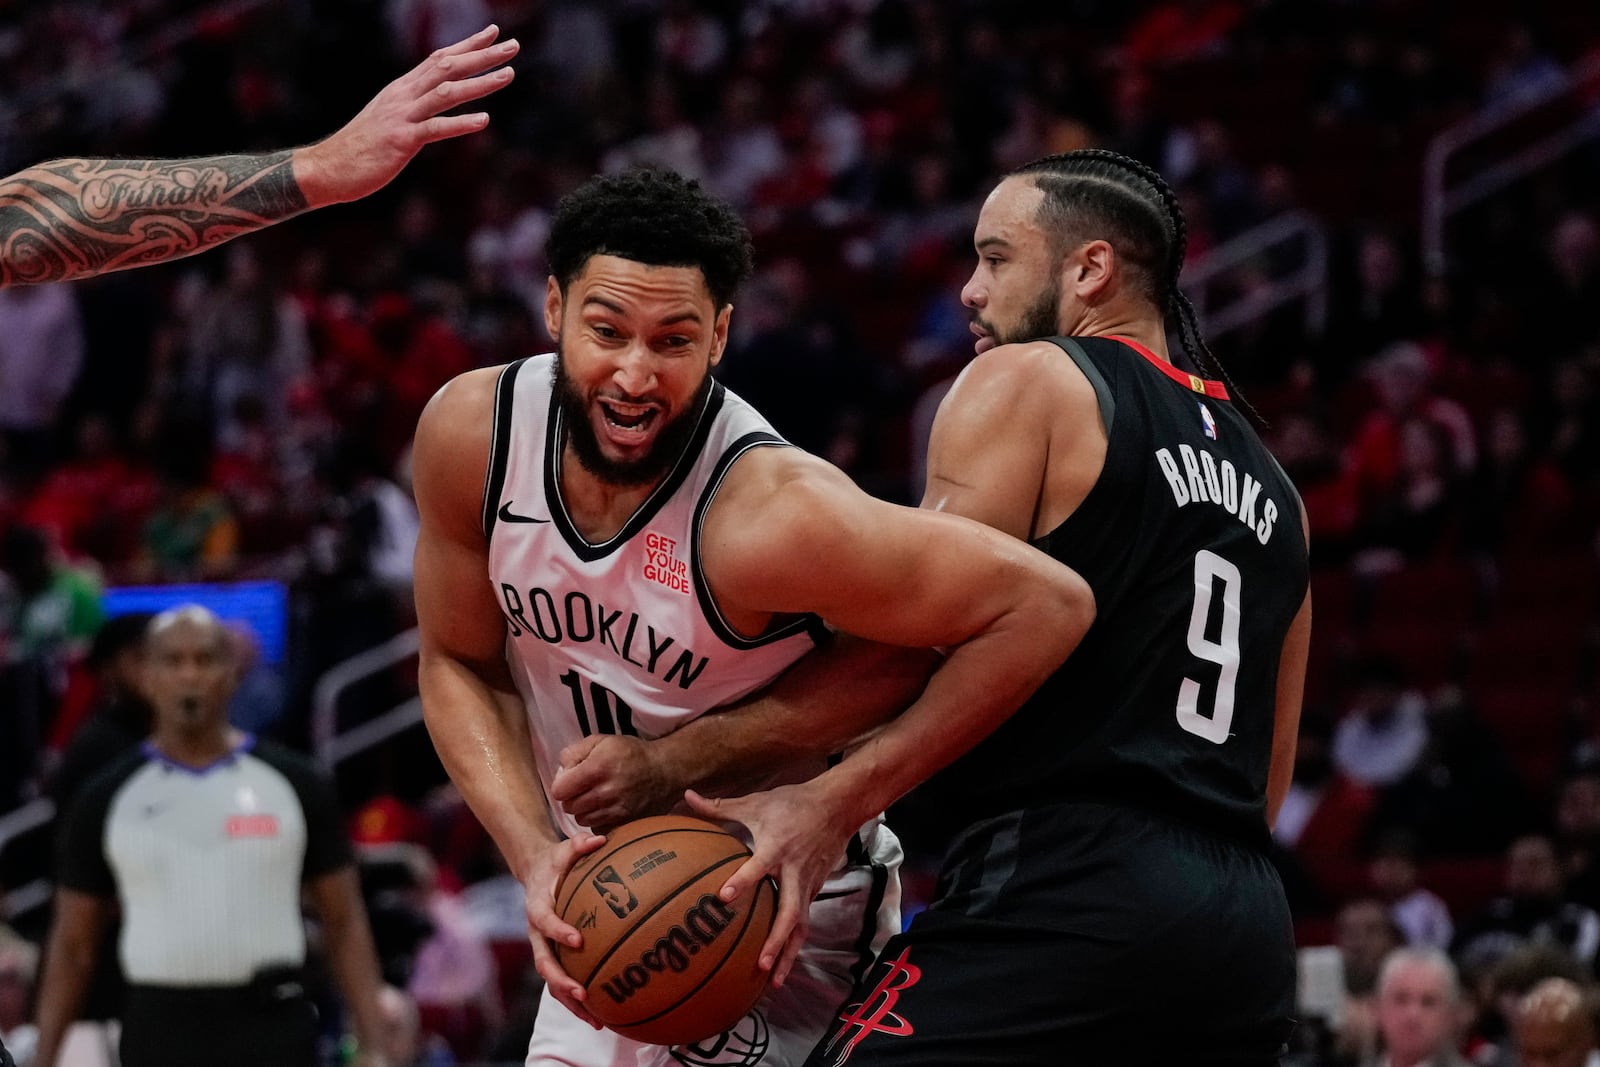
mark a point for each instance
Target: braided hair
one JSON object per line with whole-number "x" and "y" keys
{"x": 1133, "y": 205}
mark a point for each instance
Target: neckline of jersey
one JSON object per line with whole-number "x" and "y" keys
{"x": 246, "y": 743}
{"x": 1208, "y": 386}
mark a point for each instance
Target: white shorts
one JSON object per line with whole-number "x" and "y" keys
{"x": 857, "y": 910}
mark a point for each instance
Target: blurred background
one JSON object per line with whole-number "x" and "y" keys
{"x": 1394, "y": 245}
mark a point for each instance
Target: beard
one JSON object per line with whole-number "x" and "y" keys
{"x": 1041, "y": 320}
{"x": 671, "y": 439}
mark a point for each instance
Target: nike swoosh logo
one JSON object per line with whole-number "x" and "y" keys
{"x": 507, "y": 515}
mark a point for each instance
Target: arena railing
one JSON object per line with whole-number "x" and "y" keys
{"x": 1444, "y": 196}
{"x": 332, "y": 745}
{"x": 14, "y": 824}
{"x": 1307, "y": 281}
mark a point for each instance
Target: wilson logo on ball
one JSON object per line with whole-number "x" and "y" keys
{"x": 702, "y": 924}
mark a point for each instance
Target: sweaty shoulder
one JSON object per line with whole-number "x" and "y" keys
{"x": 450, "y": 457}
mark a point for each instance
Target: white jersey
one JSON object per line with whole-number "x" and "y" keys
{"x": 624, "y": 637}
{"x": 620, "y": 637}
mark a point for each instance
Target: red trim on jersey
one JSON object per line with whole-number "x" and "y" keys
{"x": 1200, "y": 385}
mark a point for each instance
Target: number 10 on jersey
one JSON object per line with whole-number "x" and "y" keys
{"x": 604, "y": 712}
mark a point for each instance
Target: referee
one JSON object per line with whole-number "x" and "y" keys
{"x": 206, "y": 837}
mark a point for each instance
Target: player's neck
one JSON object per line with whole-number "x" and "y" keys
{"x": 1139, "y": 327}
{"x": 598, "y": 508}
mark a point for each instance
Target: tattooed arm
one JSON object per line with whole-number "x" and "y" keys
{"x": 72, "y": 218}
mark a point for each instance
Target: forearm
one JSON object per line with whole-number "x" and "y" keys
{"x": 823, "y": 704}
{"x": 480, "y": 731}
{"x": 977, "y": 687}
{"x": 354, "y": 961}
{"x": 72, "y": 218}
{"x": 68, "y": 966}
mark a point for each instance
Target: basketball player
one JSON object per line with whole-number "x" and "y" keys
{"x": 73, "y": 218}
{"x": 612, "y": 544}
{"x": 1107, "y": 896}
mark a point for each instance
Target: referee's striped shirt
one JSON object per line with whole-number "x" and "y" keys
{"x": 208, "y": 863}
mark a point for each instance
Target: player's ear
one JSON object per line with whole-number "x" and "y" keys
{"x": 552, "y": 307}
{"x": 1091, "y": 268}
{"x": 719, "y": 333}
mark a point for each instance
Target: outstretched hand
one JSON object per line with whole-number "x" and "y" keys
{"x": 608, "y": 779}
{"x": 369, "y": 150}
{"x": 540, "y": 884}
{"x": 799, "y": 840}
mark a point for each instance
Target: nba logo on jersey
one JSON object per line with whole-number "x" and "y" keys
{"x": 1207, "y": 422}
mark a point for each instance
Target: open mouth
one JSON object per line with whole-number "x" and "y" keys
{"x": 628, "y": 423}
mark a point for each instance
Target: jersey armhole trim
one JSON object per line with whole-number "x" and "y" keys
{"x": 499, "y": 442}
{"x": 1102, "y": 389}
{"x": 808, "y": 624}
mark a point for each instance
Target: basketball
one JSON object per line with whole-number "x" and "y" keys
{"x": 664, "y": 959}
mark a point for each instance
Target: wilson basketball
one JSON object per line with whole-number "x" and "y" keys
{"x": 664, "y": 959}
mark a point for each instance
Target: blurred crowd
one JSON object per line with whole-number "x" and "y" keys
{"x": 248, "y": 413}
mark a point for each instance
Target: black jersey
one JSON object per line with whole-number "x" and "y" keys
{"x": 1192, "y": 541}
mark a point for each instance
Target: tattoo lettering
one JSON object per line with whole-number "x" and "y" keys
{"x": 76, "y": 217}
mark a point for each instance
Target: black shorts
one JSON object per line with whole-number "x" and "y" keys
{"x": 1080, "y": 936}
{"x": 247, "y": 1026}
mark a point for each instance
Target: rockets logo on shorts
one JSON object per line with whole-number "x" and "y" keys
{"x": 875, "y": 1014}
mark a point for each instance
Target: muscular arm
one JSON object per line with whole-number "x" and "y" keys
{"x": 69, "y": 962}
{"x": 989, "y": 459}
{"x": 351, "y": 954}
{"x": 472, "y": 710}
{"x": 796, "y": 535}
{"x": 984, "y": 465}
{"x": 822, "y": 704}
{"x": 73, "y": 218}
{"x": 1008, "y": 614}
{"x": 77, "y": 217}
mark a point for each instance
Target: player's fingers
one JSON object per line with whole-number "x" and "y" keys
{"x": 448, "y": 94}
{"x": 548, "y": 925}
{"x": 791, "y": 952}
{"x": 562, "y": 985}
{"x": 790, "y": 917}
{"x": 743, "y": 881}
{"x": 721, "y": 808}
{"x": 445, "y": 127}
{"x": 467, "y": 44}
{"x": 442, "y": 66}
{"x": 585, "y": 843}
{"x": 436, "y": 66}
{"x": 578, "y": 751}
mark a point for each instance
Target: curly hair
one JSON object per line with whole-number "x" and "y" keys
{"x": 650, "y": 216}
